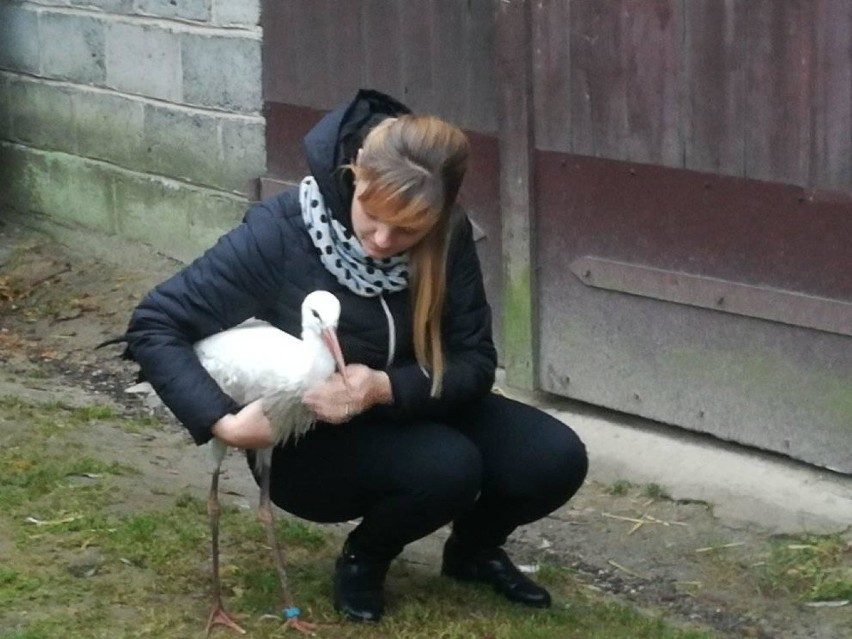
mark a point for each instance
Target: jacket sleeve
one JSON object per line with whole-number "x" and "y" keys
{"x": 470, "y": 356}
{"x": 228, "y": 284}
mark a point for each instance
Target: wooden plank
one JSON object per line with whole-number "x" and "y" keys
{"x": 280, "y": 78}
{"x": 598, "y": 79}
{"x": 286, "y": 126}
{"x": 449, "y": 77}
{"x": 779, "y": 77}
{"x": 514, "y": 79}
{"x": 298, "y": 64}
{"x": 714, "y": 87}
{"x": 344, "y": 53}
{"x": 480, "y": 113}
{"x": 551, "y": 23}
{"x": 626, "y": 79}
{"x": 480, "y": 195}
{"x": 739, "y": 298}
{"x": 382, "y": 44}
{"x": 651, "y": 55}
{"x": 416, "y": 28}
{"x": 831, "y": 144}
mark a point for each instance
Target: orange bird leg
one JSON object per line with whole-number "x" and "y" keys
{"x": 218, "y": 615}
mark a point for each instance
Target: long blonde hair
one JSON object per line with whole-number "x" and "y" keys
{"x": 413, "y": 167}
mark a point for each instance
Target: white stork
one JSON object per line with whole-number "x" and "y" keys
{"x": 258, "y": 361}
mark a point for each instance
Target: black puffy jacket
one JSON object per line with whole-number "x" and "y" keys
{"x": 266, "y": 266}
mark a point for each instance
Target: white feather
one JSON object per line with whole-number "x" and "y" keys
{"x": 255, "y": 360}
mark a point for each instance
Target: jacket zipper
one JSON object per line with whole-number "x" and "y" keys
{"x": 391, "y": 332}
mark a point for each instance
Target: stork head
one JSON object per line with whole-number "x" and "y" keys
{"x": 320, "y": 311}
{"x": 320, "y": 314}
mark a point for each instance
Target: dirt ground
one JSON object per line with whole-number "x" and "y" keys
{"x": 632, "y": 542}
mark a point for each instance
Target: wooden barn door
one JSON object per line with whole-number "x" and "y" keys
{"x": 692, "y": 190}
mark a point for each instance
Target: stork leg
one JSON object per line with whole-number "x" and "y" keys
{"x": 264, "y": 514}
{"x": 218, "y": 615}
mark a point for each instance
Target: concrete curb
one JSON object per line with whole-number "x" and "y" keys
{"x": 744, "y": 486}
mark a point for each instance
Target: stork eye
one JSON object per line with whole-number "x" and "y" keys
{"x": 317, "y": 315}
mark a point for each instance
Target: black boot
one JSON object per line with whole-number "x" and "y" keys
{"x": 492, "y": 566}
{"x": 358, "y": 586}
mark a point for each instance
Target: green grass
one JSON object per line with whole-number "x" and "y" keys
{"x": 655, "y": 491}
{"x": 811, "y": 567}
{"x": 623, "y": 487}
{"x": 52, "y": 418}
{"x": 53, "y": 415}
{"x": 95, "y": 568}
{"x": 620, "y": 487}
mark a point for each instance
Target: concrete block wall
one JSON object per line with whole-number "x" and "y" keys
{"x": 139, "y": 118}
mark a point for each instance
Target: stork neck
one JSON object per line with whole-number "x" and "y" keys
{"x": 322, "y": 361}
{"x": 312, "y": 339}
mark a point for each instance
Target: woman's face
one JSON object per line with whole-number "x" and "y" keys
{"x": 380, "y": 239}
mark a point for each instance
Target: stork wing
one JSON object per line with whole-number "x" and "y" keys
{"x": 258, "y": 361}
{"x": 254, "y": 360}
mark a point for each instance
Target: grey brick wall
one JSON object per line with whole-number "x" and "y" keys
{"x": 141, "y": 118}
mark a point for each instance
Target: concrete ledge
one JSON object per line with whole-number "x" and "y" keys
{"x": 5, "y": 116}
{"x": 182, "y": 145}
{"x": 744, "y": 486}
{"x": 49, "y": 3}
{"x": 231, "y": 13}
{"x": 77, "y": 191}
{"x": 20, "y": 170}
{"x": 41, "y": 115}
{"x": 243, "y": 152}
{"x": 236, "y": 14}
{"x": 110, "y": 127}
{"x": 153, "y": 213}
{"x": 70, "y": 188}
{"x": 175, "y": 218}
{"x": 186, "y": 9}
{"x": 179, "y": 222}
{"x": 117, "y": 6}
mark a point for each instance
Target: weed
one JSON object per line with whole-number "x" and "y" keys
{"x": 91, "y": 413}
{"x": 655, "y": 491}
{"x": 53, "y": 416}
{"x": 815, "y": 568}
{"x": 297, "y": 532}
{"x": 13, "y": 582}
{"x": 139, "y": 424}
{"x": 28, "y": 475}
{"x": 620, "y": 487}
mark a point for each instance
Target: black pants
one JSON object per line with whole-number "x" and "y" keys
{"x": 494, "y": 465}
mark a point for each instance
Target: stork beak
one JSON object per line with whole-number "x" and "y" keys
{"x": 329, "y": 336}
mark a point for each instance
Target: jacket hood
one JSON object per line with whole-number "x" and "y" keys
{"x": 335, "y": 140}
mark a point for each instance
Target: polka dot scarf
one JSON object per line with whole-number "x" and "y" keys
{"x": 342, "y": 254}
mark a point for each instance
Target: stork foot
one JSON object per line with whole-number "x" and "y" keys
{"x": 219, "y": 617}
{"x": 304, "y": 627}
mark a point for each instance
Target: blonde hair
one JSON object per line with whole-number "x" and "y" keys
{"x": 413, "y": 167}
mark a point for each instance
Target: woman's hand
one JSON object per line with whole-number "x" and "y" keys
{"x": 333, "y": 402}
{"x": 250, "y": 428}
